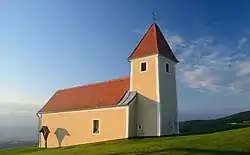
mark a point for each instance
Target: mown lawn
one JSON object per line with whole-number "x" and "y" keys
{"x": 222, "y": 143}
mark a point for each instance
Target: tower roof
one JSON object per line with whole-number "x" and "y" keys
{"x": 153, "y": 42}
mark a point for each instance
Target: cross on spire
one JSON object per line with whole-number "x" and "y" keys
{"x": 154, "y": 16}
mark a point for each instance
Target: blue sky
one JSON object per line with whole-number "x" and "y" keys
{"x": 48, "y": 45}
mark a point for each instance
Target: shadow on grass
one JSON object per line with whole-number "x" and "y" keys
{"x": 199, "y": 151}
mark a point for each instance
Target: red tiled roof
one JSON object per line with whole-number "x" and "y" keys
{"x": 100, "y": 94}
{"x": 152, "y": 42}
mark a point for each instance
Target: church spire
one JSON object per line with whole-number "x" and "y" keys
{"x": 153, "y": 42}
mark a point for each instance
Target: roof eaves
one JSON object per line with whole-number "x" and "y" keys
{"x": 136, "y": 57}
{"x": 173, "y": 60}
{"x": 82, "y": 109}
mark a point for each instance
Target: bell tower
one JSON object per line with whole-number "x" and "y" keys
{"x": 152, "y": 76}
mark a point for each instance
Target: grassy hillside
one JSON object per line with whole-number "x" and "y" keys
{"x": 235, "y": 121}
{"x": 233, "y": 142}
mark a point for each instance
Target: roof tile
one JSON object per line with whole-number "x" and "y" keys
{"x": 107, "y": 93}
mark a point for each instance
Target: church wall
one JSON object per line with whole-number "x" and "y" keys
{"x": 133, "y": 119}
{"x": 145, "y": 83}
{"x": 168, "y": 98}
{"x": 76, "y": 126}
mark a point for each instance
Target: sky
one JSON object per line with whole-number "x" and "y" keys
{"x": 49, "y": 45}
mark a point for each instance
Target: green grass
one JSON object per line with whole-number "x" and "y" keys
{"x": 221, "y": 143}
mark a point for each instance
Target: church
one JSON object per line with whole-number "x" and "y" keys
{"x": 140, "y": 105}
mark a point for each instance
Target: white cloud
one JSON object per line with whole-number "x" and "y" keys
{"x": 243, "y": 68}
{"x": 209, "y": 66}
{"x": 199, "y": 78}
{"x": 240, "y": 86}
{"x": 175, "y": 41}
{"x": 241, "y": 43}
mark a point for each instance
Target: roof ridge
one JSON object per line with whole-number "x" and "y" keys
{"x": 157, "y": 37}
{"x": 157, "y": 30}
{"x": 97, "y": 83}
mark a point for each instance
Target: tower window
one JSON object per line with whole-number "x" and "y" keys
{"x": 167, "y": 67}
{"x": 143, "y": 66}
{"x": 96, "y": 127}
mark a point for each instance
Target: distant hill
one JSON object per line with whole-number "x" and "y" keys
{"x": 239, "y": 117}
{"x": 234, "y": 121}
{"x": 17, "y": 136}
{"x": 18, "y": 133}
{"x": 14, "y": 144}
{"x": 234, "y": 142}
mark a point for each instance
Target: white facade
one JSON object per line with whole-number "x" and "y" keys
{"x": 168, "y": 97}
